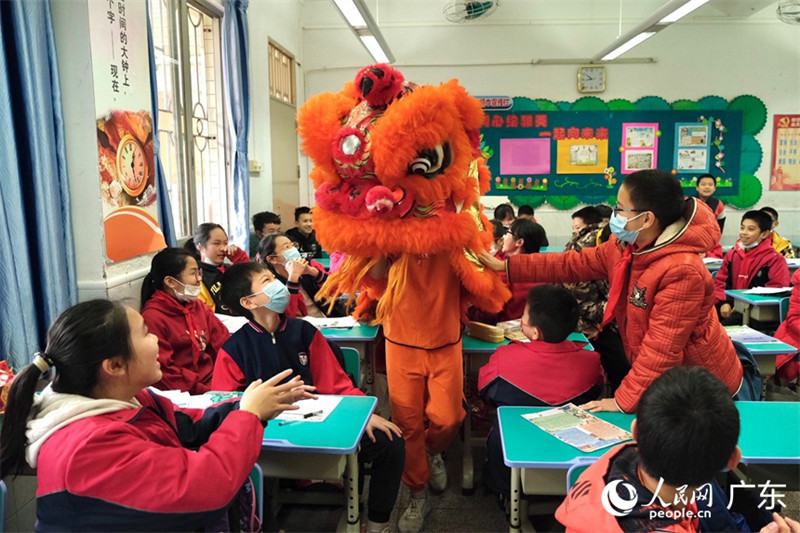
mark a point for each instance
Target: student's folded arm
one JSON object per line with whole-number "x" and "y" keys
{"x": 218, "y": 334}
{"x": 676, "y": 310}
{"x": 228, "y": 376}
{"x": 173, "y": 377}
{"x": 239, "y": 257}
{"x": 194, "y": 429}
{"x": 167, "y": 479}
{"x": 328, "y": 375}
{"x": 778, "y": 272}
{"x": 563, "y": 267}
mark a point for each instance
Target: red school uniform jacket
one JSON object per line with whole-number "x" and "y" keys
{"x": 760, "y": 267}
{"x": 583, "y": 512}
{"x": 789, "y": 332}
{"x": 129, "y": 470}
{"x": 189, "y": 336}
{"x": 666, "y": 313}
{"x": 539, "y": 372}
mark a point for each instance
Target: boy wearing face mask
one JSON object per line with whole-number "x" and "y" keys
{"x": 661, "y": 294}
{"x": 189, "y": 334}
{"x": 752, "y": 262}
{"x": 270, "y": 341}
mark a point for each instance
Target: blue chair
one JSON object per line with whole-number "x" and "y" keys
{"x": 575, "y": 472}
{"x": 352, "y": 364}
{"x": 3, "y": 491}
{"x": 784, "y": 308}
{"x": 257, "y": 479}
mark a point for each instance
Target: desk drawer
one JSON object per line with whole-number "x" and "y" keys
{"x": 545, "y": 481}
{"x": 290, "y": 465}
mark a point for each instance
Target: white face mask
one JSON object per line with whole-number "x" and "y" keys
{"x": 190, "y": 292}
{"x": 751, "y": 245}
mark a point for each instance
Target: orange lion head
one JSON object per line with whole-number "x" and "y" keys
{"x": 398, "y": 171}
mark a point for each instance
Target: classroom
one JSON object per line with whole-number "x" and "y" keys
{"x": 244, "y": 93}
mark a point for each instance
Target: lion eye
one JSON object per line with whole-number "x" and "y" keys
{"x": 431, "y": 161}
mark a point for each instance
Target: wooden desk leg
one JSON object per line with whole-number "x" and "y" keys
{"x": 514, "y": 499}
{"x": 467, "y": 462}
{"x": 351, "y": 492}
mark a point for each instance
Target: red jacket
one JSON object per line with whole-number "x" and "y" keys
{"x": 583, "y": 511}
{"x": 132, "y": 469}
{"x": 668, "y": 317}
{"x": 760, "y": 267}
{"x": 789, "y": 332}
{"x": 189, "y": 336}
{"x": 552, "y": 373}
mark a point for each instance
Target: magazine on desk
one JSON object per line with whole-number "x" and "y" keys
{"x": 748, "y": 335}
{"x": 576, "y": 427}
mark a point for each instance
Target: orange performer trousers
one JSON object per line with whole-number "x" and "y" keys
{"x": 426, "y": 394}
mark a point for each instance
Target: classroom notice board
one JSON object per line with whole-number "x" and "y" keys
{"x": 580, "y": 152}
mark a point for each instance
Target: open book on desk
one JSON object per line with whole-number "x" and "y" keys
{"x": 769, "y": 291}
{"x": 311, "y": 410}
{"x": 341, "y": 322}
{"x": 748, "y": 335}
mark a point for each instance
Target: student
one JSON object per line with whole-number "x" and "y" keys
{"x": 661, "y": 294}
{"x": 211, "y": 242}
{"x": 189, "y": 335}
{"x": 781, "y": 245}
{"x": 788, "y": 367}
{"x": 264, "y": 223}
{"x": 523, "y": 237}
{"x": 304, "y": 234}
{"x": 548, "y": 370}
{"x": 752, "y": 262}
{"x": 302, "y": 278}
{"x": 685, "y": 432}
{"x": 706, "y": 186}
{"x": 592, "y": 296}
{"x": 605, "y": 212}
{"x": 526, "y": 212}
{"x": 113, "y": 456}
{"x": 505, "y": 214}
{"x": 273, "y": 342}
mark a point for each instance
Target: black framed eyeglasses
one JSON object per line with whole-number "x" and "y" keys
{"x": 618, "y": 210}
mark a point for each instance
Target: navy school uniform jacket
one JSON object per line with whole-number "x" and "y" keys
{"x": 147, "y": 468}
{"x": 254, "y": 353}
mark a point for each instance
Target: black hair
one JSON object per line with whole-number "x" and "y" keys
{"x": 266, "y": 248}
{"x": 498, "y": 229}
{"x": 532, "y": 232}
{"x": 503, "y": 211}
{"x": 302, "y": 210}
{"x": 687, "y": 426}
{"x": 604, "y": 210}
{"x": 263, "y": 218}
{"x": 237, "y": 283}
{"x": 168, "y": 262}
{"x": 79, "y": 340}
{"x": 525, "y": 210}
{"x": 190, "y": 247}
{"x": 656, "y": 191}
{"x": 771, "y": 212}
{"x": 203, "y": 233}
{"x": 760, "y": 217}
{"x": 554, "y": 310}
{"x": 701, "y": 177}
{"x": 589, "y": 215}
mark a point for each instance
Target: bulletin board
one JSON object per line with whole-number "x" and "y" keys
{"x": 570, "y": 153}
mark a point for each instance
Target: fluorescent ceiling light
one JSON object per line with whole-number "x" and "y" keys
{"x": 374, "y": 48}
{"x": 627, "y": 45}
{"x": 351, "y": 13}
{"x": 682, "y": 11}
{"x": 357, "y": 15}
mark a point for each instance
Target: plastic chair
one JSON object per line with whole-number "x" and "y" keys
{"x": 784, "y": 308}
{"x": 352, "y": 364}
{"x": 257, "y": 479}
{"x": 575, "y": 472}
{"x": 3, "y": 492}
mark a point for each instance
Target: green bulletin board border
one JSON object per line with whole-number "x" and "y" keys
{"x": 754, "y": 118}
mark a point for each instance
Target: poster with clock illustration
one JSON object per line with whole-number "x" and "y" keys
{"x": 121, "y": 69}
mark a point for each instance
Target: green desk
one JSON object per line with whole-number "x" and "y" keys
{"x": 362, "y": 338}
{"x": 539, "y": 461}
{"x": 759, "y": 307}
{"x": 321, "y": 450}
{"x": 473, "y": 348}
{"x": 324, "y": 261}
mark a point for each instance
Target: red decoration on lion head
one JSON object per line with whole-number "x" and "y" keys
{"x": 398, "y": 172}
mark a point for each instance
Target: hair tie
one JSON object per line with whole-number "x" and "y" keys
{"x": 43, "y": 362}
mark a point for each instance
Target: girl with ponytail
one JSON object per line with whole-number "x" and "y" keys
{"x": 189, "y": 334}
{"x": 110, "y": 454}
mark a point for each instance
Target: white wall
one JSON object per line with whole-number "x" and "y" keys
{"x": 759, "y": 56}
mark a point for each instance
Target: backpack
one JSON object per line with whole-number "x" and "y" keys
{"x": 750, "y": 391}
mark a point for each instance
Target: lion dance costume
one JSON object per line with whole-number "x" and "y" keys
{"x": 398, "y": 177}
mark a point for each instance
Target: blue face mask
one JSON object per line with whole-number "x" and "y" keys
{"x": 290, "y": 255}
{"x": 278, "y": 296}
{"x": 617, "y": 225}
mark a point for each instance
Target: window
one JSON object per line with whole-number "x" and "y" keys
{"x": 281, "y": 74}
{"x": 195, "y": 146}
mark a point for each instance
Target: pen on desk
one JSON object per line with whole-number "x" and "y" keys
{"x": 315, "y": 413}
